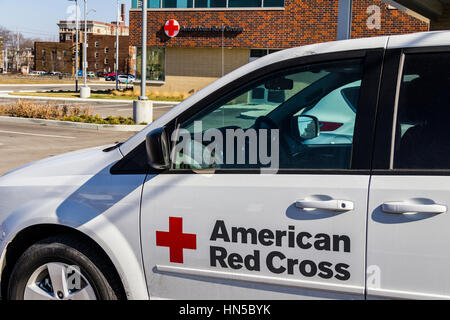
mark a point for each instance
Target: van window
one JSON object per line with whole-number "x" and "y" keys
{"x": 422, "y": 129}
{"x": 323, "y": 95}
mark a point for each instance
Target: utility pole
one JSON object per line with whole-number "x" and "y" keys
{"x": 85, "y": 45}
{"x": 85, "y": 91}
{"x": 117, "y": 46}
{"x": 77, "y": 41}
{"x": 344, "y": 28}
{"x": 6, "y": 60}
{"x": 143, "y": 108}
{"x": 77, "y": 28}
{"x": 144, "y": 52}
{"x": 17, "y": 51}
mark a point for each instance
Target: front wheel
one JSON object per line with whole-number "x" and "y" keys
{"x": 62, "y": 268}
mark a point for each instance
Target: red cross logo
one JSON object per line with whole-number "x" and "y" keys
{"x": 171, "y": 28}
{"x": 176, "y": 240}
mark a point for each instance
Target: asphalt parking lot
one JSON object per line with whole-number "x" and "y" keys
{"x": 24, "y": 143}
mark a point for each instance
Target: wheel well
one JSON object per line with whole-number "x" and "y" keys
{"x": 29, "y": 236}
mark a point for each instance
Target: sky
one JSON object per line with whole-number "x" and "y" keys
{"x": 38, "y": 18}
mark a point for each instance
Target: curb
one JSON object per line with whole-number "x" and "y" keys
{"x": 65, "y": 99}
{"x": 78, "y": 125}
{"x": 101, "y": 84}
{"x": 6, "y": 95}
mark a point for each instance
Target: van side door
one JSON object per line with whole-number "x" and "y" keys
{"x": 408, "y": 225}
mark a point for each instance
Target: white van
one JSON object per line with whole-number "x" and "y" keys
{"x": 233, "y": 194}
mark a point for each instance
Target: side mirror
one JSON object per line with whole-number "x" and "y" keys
{"x": 305, "y": 127}
{"x": 157, "y": 145}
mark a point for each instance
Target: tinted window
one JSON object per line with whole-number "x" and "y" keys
{"x": 422, "y": 130}
{"x": 315, "y": 93}
{"x": 273, "y": 3}
{"x": 244, "y": 3}
{"x": 177, "y": 3}
{"x": 210, "y": 3}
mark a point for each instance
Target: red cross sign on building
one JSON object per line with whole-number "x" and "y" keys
{"x": 171, "y": 28}
{"x": 176, "y": 240}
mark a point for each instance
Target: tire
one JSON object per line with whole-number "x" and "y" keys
{"x": 92, "y": 277}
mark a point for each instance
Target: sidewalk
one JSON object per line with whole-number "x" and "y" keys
{"x": 5, "y": 95}
{"x": 54, "y": 84}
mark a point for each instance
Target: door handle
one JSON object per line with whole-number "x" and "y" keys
{"x": 332, "y": 205}
{"x": 404, "y": 207}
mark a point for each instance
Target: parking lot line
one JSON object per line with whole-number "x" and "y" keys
{"x": 37, "y": 134}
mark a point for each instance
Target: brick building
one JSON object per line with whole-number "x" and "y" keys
{"x": 201, "y": 52}
{"x": 101, "y": 54}
{"x": 54, "y": 57}
{"x": 101, "y": 49}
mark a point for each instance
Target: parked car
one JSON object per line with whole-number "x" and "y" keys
{"x": 127, "y": 78}
{"x": 37, "y": 73}
{"x": 90, "y": 74}
{"x": 263, "y": 214}
{"x": 101, "y": 74}
{"x": 110, "y": 76}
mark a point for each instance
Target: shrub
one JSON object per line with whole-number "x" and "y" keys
{"x": 74, "y": 113}
{"x": 30, "y": 109}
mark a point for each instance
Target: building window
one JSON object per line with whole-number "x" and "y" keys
{"x": 273, "y": 3}
{"x": 96, "y": 54}
{"x": 258, "y": 53}
{"x": 244, "y": 3}
{"x": 106, "y": 50}
{"x": 97, "y": 44}
{"x": 156, "y": 63}
{"x": 106, "y": 61}
{"x": 96, "y": 66}
{"x": 209, "y": 3}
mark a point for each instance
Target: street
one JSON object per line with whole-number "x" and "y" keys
{"x": 54, "y": 87}
{"x": 24, "y": 143}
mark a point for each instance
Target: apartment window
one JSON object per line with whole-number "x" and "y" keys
{"x": 96, "y": 66}
{"x": 96, "y": 54}
{"x": 97, "y": 44}
{"x": 156, "y": 63}
{"x": 106, "y": 50}
{"x": 209, "y": 3}
{"x": 106, "y": 61}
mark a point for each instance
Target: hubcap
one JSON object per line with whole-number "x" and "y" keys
{"x": 58, "y": 281}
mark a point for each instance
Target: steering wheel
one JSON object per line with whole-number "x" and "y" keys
{"x": 264, "y": 122}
